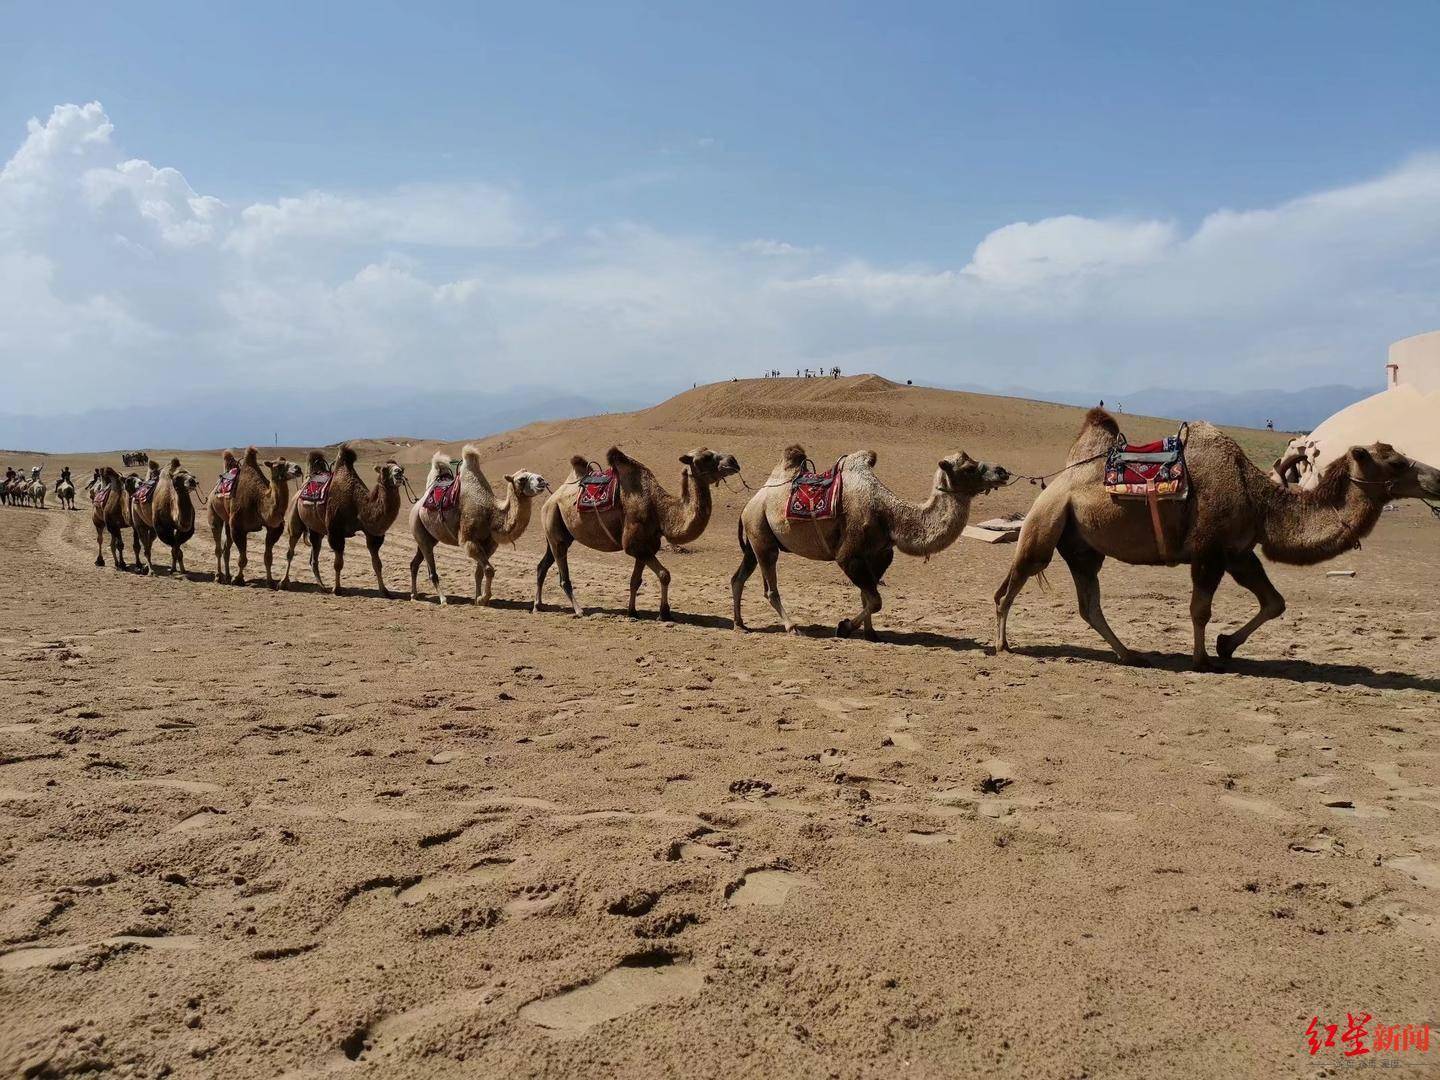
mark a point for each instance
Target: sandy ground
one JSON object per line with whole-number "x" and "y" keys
{"x": 247, "y": 833}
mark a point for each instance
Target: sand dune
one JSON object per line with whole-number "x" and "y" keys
{"x": 250, "y": 833}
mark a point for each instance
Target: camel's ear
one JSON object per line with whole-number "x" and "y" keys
{"x": 379, "y": 469}
{"x": 686, "y": 459}
{"x": 1361, "y": 455}
{"x": 509, "y": 479}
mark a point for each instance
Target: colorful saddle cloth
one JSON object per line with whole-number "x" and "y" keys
{"x": 598, "y": 491}
{"x": 144, "y": 490}
{"x": 815, "y": 496}
{"x": 100, "y": 497}
{"x": 316, "y": 489}
{"x": 225, "y": 486}
{"x": 1146, "y": 469}
{"x": 444, "y": 494}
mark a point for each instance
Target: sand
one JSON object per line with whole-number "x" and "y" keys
{"x": 246, "y": 833}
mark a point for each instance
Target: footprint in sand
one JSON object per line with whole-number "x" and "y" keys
{"x": 766, "y": 888}
{"x": 638, "y": 983}
{"x": 691, "y": 849}
{"x": 24, "y": 958}
{"x": 203, "y": 818}
{"x": 485, "y": 873}
{"x": 380, "y": 1039}
{"x": 1419, "y": 870}
{"x": 1259, "y": 807}
{"x": 534, "y": 900}
{"x": 375, "y": 815}
{"x": 925, "y": 838}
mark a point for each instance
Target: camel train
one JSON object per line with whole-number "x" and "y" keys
{"x": 1194, "y": 499}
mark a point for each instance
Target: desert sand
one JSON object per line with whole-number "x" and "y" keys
{"x": 247, "y": 833}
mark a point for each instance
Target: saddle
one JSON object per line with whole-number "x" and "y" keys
{"x": 815, "y": 496}
{"x": 598, "y": 491}
{"x": 317, "y": 488}
{"x": 444, "y": 494}
{"x": 145, "y": 490}
{"x": 1153, "y": 471}
{"x": 225, "y": 486}
{"x": 99, "y": 498}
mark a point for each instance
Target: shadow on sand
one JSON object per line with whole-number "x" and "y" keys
{"x": 1290, "y": 669}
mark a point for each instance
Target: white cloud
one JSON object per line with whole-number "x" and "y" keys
{"x": 119, "y": 282}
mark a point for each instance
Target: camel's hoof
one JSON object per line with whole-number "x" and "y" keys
{"x": 793, "y": 631}
{"x": 870, "y": 635}
{"x": 99, "y": 562}
{"x": 385, "y": 594}
{"x": 842, "y": 629}
{"x": 1225, "y": 646}
{"x": 740, "y": 627}
{"x": 665, "y": 615}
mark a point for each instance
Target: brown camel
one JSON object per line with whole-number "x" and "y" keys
{"x": 348, "y": 508}
{"x": 140, "y": 492}
{"x": 863, "y": 532}
{"x": 477, "y": 521}
{"x": 109, "y": 512}
{"x": 1232, "y": 508}
{"x": 256, "y": 502}
{"x": 172, "y": 514}
{"x": 642, "y": 515}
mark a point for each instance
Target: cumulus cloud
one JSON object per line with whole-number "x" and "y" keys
{"x": 120, "y": 284}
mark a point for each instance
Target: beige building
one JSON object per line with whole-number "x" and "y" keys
{"x": 1406, "y": 414}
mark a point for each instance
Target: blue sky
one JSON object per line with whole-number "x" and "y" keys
{"x": 608, "y": 150}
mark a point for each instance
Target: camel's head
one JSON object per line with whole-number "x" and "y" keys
{"x": 963, "y": 475}
{"x": 1401, "y": 477}
{"x": 282, "y": 470}
{"x": 527, "y": 484}
{"x": 710, "y": 466}
{"x": 183, "y": 478}
{"x": 391, "y": 474}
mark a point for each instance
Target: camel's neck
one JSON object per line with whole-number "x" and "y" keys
{"x": 510, "y": 517}
{"x": 379, "y": 508}
{"x": 184, "y": 508}
{"x": 1305, "y": 527}
{"x": 275, "y": 500}
{"x": 928, "y": 527}
{"x": 685, "y": 518}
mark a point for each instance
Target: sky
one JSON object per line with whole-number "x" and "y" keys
{"x": 228, "y": 202}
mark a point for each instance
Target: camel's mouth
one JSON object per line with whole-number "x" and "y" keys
{"x": 729, "y": 465}
{"x": 995, "y": 476}
{"x": 1429, "y": 480}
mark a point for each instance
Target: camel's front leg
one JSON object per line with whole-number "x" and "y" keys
{"x": 1249, "y": 572}
{"x": 562, "y": 562}
{"x": 99, "y": 545}
{"x": 541, "y": 569}
{"x": 1205, "y": 575}
{"x": 313, "y": 539}
{"x": 337, "y": 545}
{"x": 373, "y": 543}
{"x": 771, "y": 579}
{"x": 477, "y": 556}
{"x": 1085, "y": 562}
{"x": 135, "y": 547}
{"x": 271, "y": 536}
{"x": 177, "y": 560}
{"x": 216, "y": 529}
{"x": 663, "y": 576}
{"x": 242, "y": 554}
{"x": 637, "y": 576}
{"x": 748, "y": 562}
{"x": 292, "y": 541}
{"x": 858, "y": 571}
{"x": 117, "y": 546}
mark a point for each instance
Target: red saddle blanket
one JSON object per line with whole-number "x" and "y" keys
{"x": 225, "y": 486}
{"x": 101, "y": 497}
{"x": 1138, "y": 470}
{"x": 815, "y": 496}
{"x": 145, "y": 490}
{"x": 443, "y": 495}
{"x": 317, "y": 488}
{"x": 598, "y": 491}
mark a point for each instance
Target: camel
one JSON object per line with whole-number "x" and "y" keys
{"x": 862, "y": 534}
{"x": 172, "y": 513}
{"x": 109, "y": 511}
{"x": 1232, "y": 507}
{"x": 642, "y": 515}
{"x": 257, "y": 502}
{"x": 35, "y": 491}
{"x": 65, "y": 490}
{"x": 478, "y": 521}
{"x": 349, "y": 508}
{"x": 139, "y": 513}
{"x": 10, "y": 487}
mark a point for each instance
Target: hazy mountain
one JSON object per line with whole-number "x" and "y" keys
{"x": 296, "y": 420}
{"x": 1291, "y": 410}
